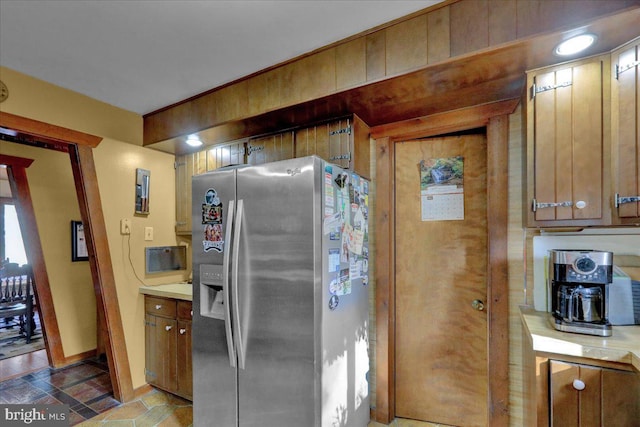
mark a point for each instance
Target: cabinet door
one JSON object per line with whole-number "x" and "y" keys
{"x": 183, "y": 360}
{"x": 183, "y": 193}
{"x": 270, "y": 148}
{"x": 161, "y": 351}
{"x": 567, "y": 144}
{"x": 224, "y": 155}
{"x": 625, "y": 95}
{"x": 620, "y": 398}
{"x": 570, "y": 405}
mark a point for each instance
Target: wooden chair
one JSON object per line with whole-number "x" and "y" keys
{"x": 16, "y": 298}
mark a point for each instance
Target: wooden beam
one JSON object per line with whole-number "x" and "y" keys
{"x": 498, "y": 275}
{"x": 47, "y": 131}
{"x": 447, "y": 122}
{"x": 86, "y": 180}
{"x": 33, "y": 247}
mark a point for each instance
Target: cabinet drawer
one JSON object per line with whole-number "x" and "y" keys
{"x": 160, "y": 307}
{"x": 184, "y": 310}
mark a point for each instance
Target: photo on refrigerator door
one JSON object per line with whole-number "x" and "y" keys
{"x": 212, "y": 221}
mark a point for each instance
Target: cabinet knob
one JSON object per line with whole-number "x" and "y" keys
{"x": 158, "y": 306}
{"x": 191, "y": 313}
{"x": 579, "y": 385}
{"x": 182, "y": 331}
{"x": 167, "y": 328}
{"x": 581, "y": 204}
{"x": 477, "y": 305}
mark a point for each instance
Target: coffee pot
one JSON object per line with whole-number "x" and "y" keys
{"x": 579, "y": 284}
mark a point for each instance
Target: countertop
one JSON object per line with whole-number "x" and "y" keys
{"x": 623, "y": 346}
{"x": 183, "y": 291}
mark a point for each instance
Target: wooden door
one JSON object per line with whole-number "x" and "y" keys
{"x": 571, "y": 406}
{"x": 270, "y": 148}
{"x": 441, "y": 269}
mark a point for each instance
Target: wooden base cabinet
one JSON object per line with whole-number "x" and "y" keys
{"x": 584, "y": 395}
{"x": 625, "y": 99}
{"x": 168, "y": 345}
{"x": 568, "y": 143}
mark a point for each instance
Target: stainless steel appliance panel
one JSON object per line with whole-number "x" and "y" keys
{"x": 345, "y": 311}
{"x": 214, "y": 379}
{"x": 278, "y": 271}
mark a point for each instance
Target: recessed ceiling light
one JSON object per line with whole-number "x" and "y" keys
{"x": 194, "y": 141}
{"x": 575, "y": 44}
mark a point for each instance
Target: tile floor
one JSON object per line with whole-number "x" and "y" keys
{"x": 84, "y": 386}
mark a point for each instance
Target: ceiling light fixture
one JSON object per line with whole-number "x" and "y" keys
{"x": 194, "y": 141}
{"x": 575, "y": 44}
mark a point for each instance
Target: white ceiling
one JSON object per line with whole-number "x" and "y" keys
{"x": 141, "y": 55}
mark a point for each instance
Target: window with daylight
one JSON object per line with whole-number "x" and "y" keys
{"x": 11, "y": 244}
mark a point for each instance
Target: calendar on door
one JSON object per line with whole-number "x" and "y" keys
{"x": 442, "y": 189}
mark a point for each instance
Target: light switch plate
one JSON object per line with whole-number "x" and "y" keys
{"x": 148, "y": 233}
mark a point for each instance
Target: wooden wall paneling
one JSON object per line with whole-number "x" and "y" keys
{"x": 473, "y": 25}
{"x": 384, "y": 276}
{"x": 309, "y": 77}
{"x": 351, "y": 63}
{"x": 375, "y": 55}
{"x": 469, "y": 26}
{"x": 438, "y": 35}
{"x": 85, "y": 177}
{"x": 502, "y": 22}
{"x": 498, "y": 275}
{"x": 406, "y": 45}
{"x": 265, "y": 91}
{"x": 232, "y": 101}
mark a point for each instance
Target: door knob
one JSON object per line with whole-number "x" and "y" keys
{"x": 477, "y": 305}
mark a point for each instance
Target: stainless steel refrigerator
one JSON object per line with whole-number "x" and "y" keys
{"x": 280, "y": 296}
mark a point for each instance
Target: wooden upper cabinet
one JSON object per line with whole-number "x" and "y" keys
{"x": 270, "y": 148}
{"x": 568, "y": 143}
{"x": 625, "y": 96}
{"x": 343, "y": 142}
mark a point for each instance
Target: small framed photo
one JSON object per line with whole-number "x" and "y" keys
{"x": 78, "y": 242}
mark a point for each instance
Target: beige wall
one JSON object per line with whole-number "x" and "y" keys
{"x": 51, "y": 182}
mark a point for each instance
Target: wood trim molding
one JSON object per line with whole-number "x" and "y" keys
{"x": 33, "y": 246}
{"x": 497, "y": 286}
{"x": 47, "y": 131}
{"x": 79, "y": 146}
{"x": 447, "y": 122}
{"x": 498, "y": 275}
{"x": 86, "y": 181}
{"x": 385, "y": 282}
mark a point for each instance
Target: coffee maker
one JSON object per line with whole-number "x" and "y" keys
{"x": 579, "y": 288}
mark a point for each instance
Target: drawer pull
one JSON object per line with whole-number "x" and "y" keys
{"x": 182, "y": 331}
{"x": 167, "y": 328}
{"x": 158, "y": 306}
{"x": 535, "y": 205}
{"x": 578, "y": 385}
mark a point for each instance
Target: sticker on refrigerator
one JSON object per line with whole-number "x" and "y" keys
{"x": 212, "y": 215}
{"x": 333, "y": 302}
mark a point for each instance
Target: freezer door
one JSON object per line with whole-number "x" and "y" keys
{"x": 278, "y": 275}
{"x": 214, "y": 379}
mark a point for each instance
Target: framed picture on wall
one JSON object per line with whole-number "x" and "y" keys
{"x": 78, "y": 243}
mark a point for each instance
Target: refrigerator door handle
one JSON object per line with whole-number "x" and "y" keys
{"x": 234, "y": 284}
{"x": 225, "y": 286}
